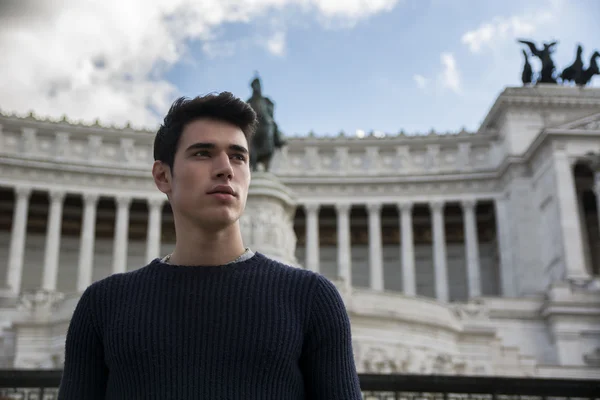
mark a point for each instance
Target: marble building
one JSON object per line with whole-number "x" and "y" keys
{"x": 473, "y": 253}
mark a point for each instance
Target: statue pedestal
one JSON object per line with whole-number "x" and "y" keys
{"x": 267, "y": 223}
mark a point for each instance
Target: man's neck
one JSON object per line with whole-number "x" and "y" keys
{"x": 199, "y": 247}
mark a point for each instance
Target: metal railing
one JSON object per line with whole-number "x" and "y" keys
{"x": 43, "y": 384}
{"x": 433, "y": 387}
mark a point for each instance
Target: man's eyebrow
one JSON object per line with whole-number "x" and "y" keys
{"x": 209, "y": 146}
{"x": 239, "y": 148}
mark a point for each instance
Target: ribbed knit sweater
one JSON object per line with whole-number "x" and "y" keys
{"x": 255, "y": 329}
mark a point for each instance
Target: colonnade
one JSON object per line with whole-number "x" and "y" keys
{"x": 344, "y": 257}
{"x": 86, "y": 249}
{"x": 407, "y": 245}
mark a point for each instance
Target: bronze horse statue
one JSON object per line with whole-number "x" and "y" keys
{"x": 573, "y": 73}
{"x": 545, "y": 56}
{"x": 267, "y": 137}
{"x": 588, "y": 73}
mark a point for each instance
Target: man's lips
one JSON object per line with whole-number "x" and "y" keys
{"x": 222, "y": 190}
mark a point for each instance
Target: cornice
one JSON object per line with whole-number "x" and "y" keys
{"x": 541, "y": 96}
{"x": 139, "y": 184}
{"x": 372, "y": 138}
{"x": 65, "y": 123}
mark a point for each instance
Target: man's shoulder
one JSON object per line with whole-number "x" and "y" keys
{"x": 295, "y": 274}
{"x": 116, "y": 281}
{"x": 274, "y": 265}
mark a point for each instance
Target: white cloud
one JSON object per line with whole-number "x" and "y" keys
{"x": 447, "y": 78}
{"x": 421, "y": 81}
{"x": 276, "y": 44}
{"x": 106, "y": 59}
{"x": 450, "y": 77}
{"x": 352, "y": 9}
{"x": 500, "y": 29}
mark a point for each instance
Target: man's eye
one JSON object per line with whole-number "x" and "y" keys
{"x": 202, "y": 153}
{"x": 240, "y": 157}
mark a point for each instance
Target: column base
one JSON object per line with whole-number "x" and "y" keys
{"x": 8, "y": 297}
{"x": 587, "y": 283}
{"x": 267, "y": 224}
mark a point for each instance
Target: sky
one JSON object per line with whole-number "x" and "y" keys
{"x": 329, "y": 65}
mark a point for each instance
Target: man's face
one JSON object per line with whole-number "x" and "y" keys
{"x": 211, "y": 174}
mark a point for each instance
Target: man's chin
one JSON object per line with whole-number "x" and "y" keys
{"x": 217, "y": 220}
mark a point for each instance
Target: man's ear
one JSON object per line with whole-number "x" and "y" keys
{"x": 161, "y": 173}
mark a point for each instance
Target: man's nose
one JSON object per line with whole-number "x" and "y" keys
{"x": 222, "y": 166}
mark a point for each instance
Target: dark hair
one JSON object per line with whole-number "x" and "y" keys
{"x": 222, "y": 107}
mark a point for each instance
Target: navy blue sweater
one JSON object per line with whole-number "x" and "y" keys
{"x": 255, "y": 329}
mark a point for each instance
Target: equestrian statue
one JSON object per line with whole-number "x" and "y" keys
{"x": 268, "y": 137}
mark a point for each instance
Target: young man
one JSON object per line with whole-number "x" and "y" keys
{"x": 212, "y": 320}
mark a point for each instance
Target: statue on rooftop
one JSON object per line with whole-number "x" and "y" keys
{"x": 268, "y": 137}
{"x": 588, "y": 73}
{"x": 573, "y": 73}
{"x": 545, "y": 56}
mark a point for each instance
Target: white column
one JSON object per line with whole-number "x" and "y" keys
{"x": 14, "y": 274}
{"x": 88, "y": 236}
{"x": 153, "y": 237}
{"x": 439, "y": 251}
{"x": 585, "y": 235}
{"x": 312, "y": 236}
{"x": 375, "y": 247}
{"x": 53, "y": 233}
{"x": 409, "y": 281}
{"x": 593, "y": 161}
{"x": 569, "y": 220}
{"x": 471, "y": 248}
{"x": 597, "y": 193}
{"x": 507, "y": 271}
{"x": 344, "y": 257}
{"x": 121, "y": 234}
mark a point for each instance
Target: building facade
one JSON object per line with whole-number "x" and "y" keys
{"x": 471, "y": 253}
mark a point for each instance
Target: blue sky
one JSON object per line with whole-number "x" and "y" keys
{"x": 413, "y": 65}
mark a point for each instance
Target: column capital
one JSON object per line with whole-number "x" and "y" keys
{"x": 593, "y": 161}
{"x": 503, "y": 196}
{"x": 311, "y": 208}
{"x": 23, "y": 191}
{"x": 343, "y": 208}
{"x": 437, "y": 205}
{"x": 405, "y": 206}
{"x": 123, "y": 200}
{"x": 468, "y": 204}
{"x": 56, "y": 195}
{"x": 156, "y": 202}
{"x": 90, "y": 197}
{"x": 374, "y": 207}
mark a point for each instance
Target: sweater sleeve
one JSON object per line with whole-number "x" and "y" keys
{"x": 327, "y": 360}
{"x": 85, "y": 372}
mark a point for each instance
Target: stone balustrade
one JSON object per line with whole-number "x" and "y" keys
{"x": 67, "y": 144}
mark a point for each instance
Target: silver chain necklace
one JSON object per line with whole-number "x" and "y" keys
{"x": 168, "y": 257}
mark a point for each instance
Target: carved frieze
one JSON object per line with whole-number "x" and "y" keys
{"x": 592, "y": 126}
{"x": 373, "y": 358}
{"x": 41, "y": 303}
{"x": 267, "y": 224}
{"x": 592, "y": 358}
{"x": 474, "y": 310}
{"x": 29, "y": 142}
{"x": 62, "y": 145}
